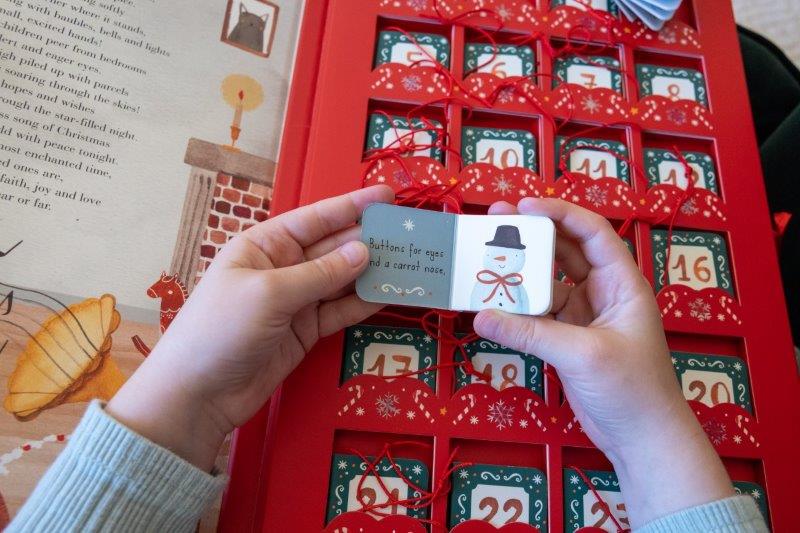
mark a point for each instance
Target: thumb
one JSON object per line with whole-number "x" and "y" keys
{"x": 557, "y": 343}
{"x": 311, "y": 281}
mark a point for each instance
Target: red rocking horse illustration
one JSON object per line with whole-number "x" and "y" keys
{"x": 173, "y": 294}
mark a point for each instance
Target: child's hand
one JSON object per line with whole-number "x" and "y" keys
{"x": 606, "y": 340}
{"x": 267, "y": 298}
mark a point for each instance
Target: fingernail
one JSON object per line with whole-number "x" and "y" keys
{"x": 526, "y": 203}
{"x": 355, "y": 252}
{"x": 485, "y": 323}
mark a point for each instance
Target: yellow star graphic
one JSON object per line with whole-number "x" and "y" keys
{"x": 453, "y": 181}
{"x": 634, "y": 111}
{"x": 549, "y": 191}
{"x": 546, "y": 98}
{"x": 627, "y": 30}
{"x": 443, "y": 411}
{"x": 641, "y": 201}
{"x": 553, "y": 419}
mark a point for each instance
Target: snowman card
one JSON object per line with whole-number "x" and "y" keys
{"x": 460, "y": 262}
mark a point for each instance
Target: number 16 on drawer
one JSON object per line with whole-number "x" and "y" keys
{"x": 696, "y": 259}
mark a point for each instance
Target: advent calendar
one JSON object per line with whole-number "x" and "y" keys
{"x": 409, "y": 421}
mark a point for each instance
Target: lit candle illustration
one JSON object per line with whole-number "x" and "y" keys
{"x": 242, "y": 93}
{"x": 237, "y": 116}
{"x": 236, "y": 127}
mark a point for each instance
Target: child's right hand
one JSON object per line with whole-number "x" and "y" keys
{"x": 606, "y": 340}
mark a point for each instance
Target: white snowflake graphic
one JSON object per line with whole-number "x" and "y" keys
{"x": 737, "y": 439}
{"x": 503, "y": 12}
{"x": 411, "y": 415}
{"x": 427, "y": 339}
{"x": 574, "y": 479}
{"x": 503, "y": 186}
{"x": 700, "y": 309}
{"x": 358, "y": 334}
{"x": 689, "y": 207}
{"x": 416, "y": 469}
{"x": 674, "y": 361}
{"x": 721, "y": 317}
{"x": 737, "y": 365}
{"x": 501, "y": 414}
{"x": 386, "y": 405}
{"x": 716, "y": 240}
{"x": 479, "y": 188}
{"x": 341, "y": 465}
{"x": 657, "y": 238}
{"x": 411, "y": 83}
{"x": 755, "y": 494}
{"x": 717, "y": 431}
{"x": 401, "y": 178}
{"x": 591, "y": 105}
{"x": 359, "y": 411}
{"x": 523, "y": 423}
{"x": 463, "y": 474}
{"x": 408, "y": 224}
{"x": 678, "y": 313}
{"x": 505, "y": 95}
{"x": 473, "y": 420}
{"x": 596, "y": 195}
{"x": 381, "y": 179}
{"x": 419, "y": 5}
{"x": 537, "y": 479}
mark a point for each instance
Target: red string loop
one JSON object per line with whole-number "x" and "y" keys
{"x": 600, "y": 500}
{"x": 425, "y": 498}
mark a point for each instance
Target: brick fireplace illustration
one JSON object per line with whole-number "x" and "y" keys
{"x": 228, "y": 191}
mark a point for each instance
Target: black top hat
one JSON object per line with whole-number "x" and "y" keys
{"x": 506, "y": 237}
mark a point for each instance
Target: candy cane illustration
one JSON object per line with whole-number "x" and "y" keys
{"x": 673, "y": 296}
{"x": 713, "y": 203}
{"x": 750, "y": 437}
{"x": 353, "y": 399}
{"x": 421, "y": 406}
{"x": 535, "y": 418}
{"x": 725, "y": 302}
{"x": 651, "y": 109}
{"x": 661, "y": 198}
{"x": 572, "y": 423}
{"x": 616, "y": 100}
{"x": 701, "y": 114}
{"x": 471, "y": 399}
{"x": 621, "y": 191}
{"x": 16, "y": 453}
{"x": 385, "y": 78}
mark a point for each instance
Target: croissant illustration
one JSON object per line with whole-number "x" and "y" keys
{"x": 67, "y": 360}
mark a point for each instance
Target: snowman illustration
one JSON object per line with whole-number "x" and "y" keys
{"x": 499, "y": 284}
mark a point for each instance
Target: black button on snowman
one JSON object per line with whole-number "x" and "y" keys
{"x": 499, "y": 284}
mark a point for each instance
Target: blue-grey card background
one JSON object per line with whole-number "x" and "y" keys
{"x": 407, "y": 229}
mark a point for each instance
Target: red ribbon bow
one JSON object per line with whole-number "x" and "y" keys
{"x": 509, "y": 280}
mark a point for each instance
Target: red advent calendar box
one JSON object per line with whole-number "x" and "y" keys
{"x": 479, "y": 101}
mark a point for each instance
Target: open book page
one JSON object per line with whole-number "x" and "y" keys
{"x": 503, "y": 262}
{"x": 136, "y": 137}
{"x": 410, "y": 256}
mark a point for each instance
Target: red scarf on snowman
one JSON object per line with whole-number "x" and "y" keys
{"x": 488, "y": 277}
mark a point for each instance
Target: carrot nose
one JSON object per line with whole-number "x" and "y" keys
{"x": 500, "y": 258}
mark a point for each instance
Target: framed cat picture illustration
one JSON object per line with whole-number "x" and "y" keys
{"x": 250, "y": 25}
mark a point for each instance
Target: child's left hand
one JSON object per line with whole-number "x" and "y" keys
{"x": 268, "y": 297}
